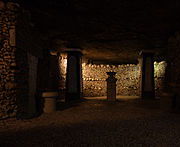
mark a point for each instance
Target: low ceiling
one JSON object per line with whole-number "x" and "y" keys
{"x": 107, "y": 30}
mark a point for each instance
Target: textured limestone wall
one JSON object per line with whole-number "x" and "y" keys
{"x": 8, "y": 93}
{"x": 128, "y": 78}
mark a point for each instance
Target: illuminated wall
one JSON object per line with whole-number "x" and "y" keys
{"x": 159, "y": 75}
{"x": 94, "y": 79}
{"x": 128, "y": 78}
{"x": 62, "y": 67}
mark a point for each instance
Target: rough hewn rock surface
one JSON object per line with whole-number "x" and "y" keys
{"x": 107, "y": 30}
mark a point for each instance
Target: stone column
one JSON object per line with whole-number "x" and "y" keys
{"x": 51, "y": 93}
{"x": 111, "y": 86}
{"x": 53, "y": 71}
{"x": 74, "y": 75}
{"x": 32, "y": 84}
{"x": 147, "y": 88}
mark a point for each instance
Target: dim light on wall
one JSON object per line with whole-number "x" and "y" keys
{"x": 63, "y": 59}
{"x": 83, "y": 64}
{"x": 62, "y": 68}
{"x": 159, "y": 68}
{"x": 94, "y": 76}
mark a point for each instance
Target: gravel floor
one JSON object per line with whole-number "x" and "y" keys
{"x": 135, "y": 123}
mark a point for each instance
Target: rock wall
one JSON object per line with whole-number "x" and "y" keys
{"x": 8, "y": 91}
{"x": 128, "y": 78}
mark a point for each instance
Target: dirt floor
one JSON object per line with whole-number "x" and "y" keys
{"x": 93, "y": 122}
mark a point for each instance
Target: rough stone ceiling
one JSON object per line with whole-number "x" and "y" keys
{"x": 108, "y": 30}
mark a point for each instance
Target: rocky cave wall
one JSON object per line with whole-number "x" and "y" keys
{"x": 128, "y": 78}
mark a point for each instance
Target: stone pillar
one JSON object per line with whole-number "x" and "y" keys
{"x": 111, "y": 86}
{"x": 32, "y": 84}
{"x": 147, "y": 88}
{"x": 51, "y": 93}
{"x": 53, "y": 83}
{"x": 74, "y": 75}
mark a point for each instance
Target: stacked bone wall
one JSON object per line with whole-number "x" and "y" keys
{"x": 94, "y": 79}
{"x": 8, "y": 105}
{"x": 128, "y": 78}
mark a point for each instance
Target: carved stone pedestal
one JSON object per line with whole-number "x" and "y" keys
{"x": 50, "y": 101}
{"x": 51, "y": 94}
{"x": 111, "y": 86}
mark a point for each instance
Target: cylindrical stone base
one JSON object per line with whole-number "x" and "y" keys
{"x": 49, "y": 101}
{"x": 111, "y": 91}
